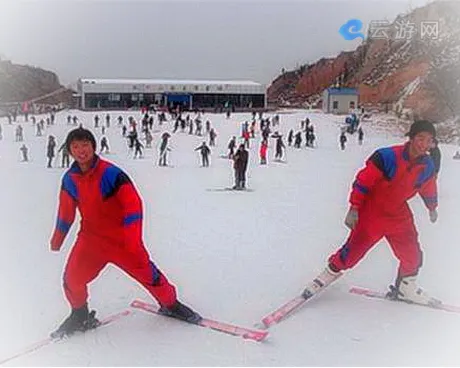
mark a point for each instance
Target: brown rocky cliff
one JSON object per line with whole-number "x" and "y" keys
{"x": 19, "y": 83}
{"x": 411, "y": 74}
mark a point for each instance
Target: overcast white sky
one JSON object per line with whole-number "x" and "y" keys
{"x": 186, "y": 39}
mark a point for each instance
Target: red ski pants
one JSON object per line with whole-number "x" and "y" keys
{"x": 90, "y": 255}
{"x": 400, "y": 233}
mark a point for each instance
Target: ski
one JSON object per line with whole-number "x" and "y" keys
{"x": 51, "y": 340}
{"x": 245, "y": 333}
{"x": 284, "y": 311}
{"x": 228, "y": 189}
{"x": 383, "y": 295}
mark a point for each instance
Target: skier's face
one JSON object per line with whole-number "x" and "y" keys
{"x": 82, "y": 152}
{"x": 421, "y": 143}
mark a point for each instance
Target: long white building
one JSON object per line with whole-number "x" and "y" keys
{"x": 189, "y": 94}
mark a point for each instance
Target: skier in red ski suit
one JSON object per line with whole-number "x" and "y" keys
{"x": 378, "y": 208}
{"x": 110, "y": 232}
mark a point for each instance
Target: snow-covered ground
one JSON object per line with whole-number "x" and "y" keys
{"x": 234, "y": 256}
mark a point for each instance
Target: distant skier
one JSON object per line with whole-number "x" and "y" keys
{"x": 205, "y": 152}
{"x": 231, "y": 147}
{"x": 65, "y": 158}
{"x": 240, "y": 165}
{"x": 290, "y": 137}
{"x": 279, "y": 147}
{"x": 104, "y": 145}
{"x": 164, "y": 149}
{"x": 138, "y": 148}
{"x": 360, "y": 136}
{"x": 212, "y": 137}
{"x": 342, "y": 140}
{"x": 298, "y": 139}
{"x": 50, "y": 150}
{"x": 24, "y": 150}
{"x": 19, "y": 133}
{"x": 263, "y": 152}
{"x": 457, "y": 155}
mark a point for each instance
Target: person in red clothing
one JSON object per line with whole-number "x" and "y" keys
{"x": 263, "y": 152}
{"x": 110, "y": 232}
{"x": 378, "y": 208}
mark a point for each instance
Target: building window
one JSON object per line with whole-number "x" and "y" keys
{"x": 335, "y": 104}
{"x": 196, "y": 88}
{"x": 114, "y": 97}
{"x": 172, "y": 88}
{"x": 134, "y": 97}
{"x": 220, "y": 88}
{"x": 352, "y": 104}
{"x": 207, "y": 88}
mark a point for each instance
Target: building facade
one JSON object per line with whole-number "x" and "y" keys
{"x": 340, "y": 100}
{"x": 188, "y": 94}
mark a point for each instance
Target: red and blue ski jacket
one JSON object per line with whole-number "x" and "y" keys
{"x": 390, "y": 179}
{"x": 109, "y": 205}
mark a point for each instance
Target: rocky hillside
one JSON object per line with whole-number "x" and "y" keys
{"x": 409, "y": 75}
{"x": 19, "y": 83}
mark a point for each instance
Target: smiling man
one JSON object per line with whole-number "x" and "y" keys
{"x": 110, "y": 232}
{"x": 378, "y": 208}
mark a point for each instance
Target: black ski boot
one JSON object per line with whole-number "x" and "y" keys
{"x": 182, "y": 312}
{"x": 79, "y": 320}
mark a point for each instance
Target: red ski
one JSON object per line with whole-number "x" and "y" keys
{"x": 245, "y": 333}
{"x": 283, "y": 311}
{"x": 50, "y": 340}
{"x": 382, "y": 295}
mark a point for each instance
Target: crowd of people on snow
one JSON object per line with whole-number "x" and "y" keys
{"x": 140, "y": 135}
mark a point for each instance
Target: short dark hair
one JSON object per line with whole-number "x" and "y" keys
{"x": 80, "y": 134}
{"x": 419, "y": 126}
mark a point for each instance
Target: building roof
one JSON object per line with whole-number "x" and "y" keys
{"x": 169, "y": 81}
{"x": 342, "y": 91}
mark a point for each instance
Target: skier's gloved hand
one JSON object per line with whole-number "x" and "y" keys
{"x": 433, "y": 216}
{"x": 351, "y": 219}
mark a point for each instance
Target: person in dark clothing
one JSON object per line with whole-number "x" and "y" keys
{"x": 24, "y": 150}
{"x": 279, "y": 147}
{"x": 132, "y": 136}
{"x": 360, "y": 136}
{"x": 435, "y": 154}
{"x": 205, "y": 152}
{"x": 138, "y": 148}
{"x": 240, "y": 165}
{"x": 290, "y": 137}
{"x": 231, "y": 147}
{"x": 65, "y": 159}
{"x": 104, "y": 145}
{"x": 50, "y": 150}
{"x": 457, "y": 155}
{"x": 343, "y": 140}
{"x": 212, "y": 137}
{"x": 164, "y": 149}
{"x": 298, "y": 139}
